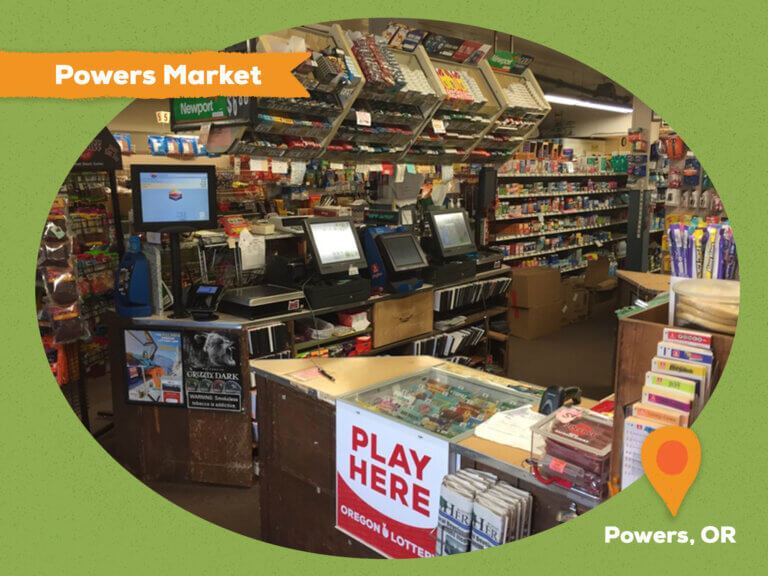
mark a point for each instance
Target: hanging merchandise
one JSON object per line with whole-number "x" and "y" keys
{"x": 674, "y": 147}
{"x": 57, "y": 273}
{"x": 703, "y": 251}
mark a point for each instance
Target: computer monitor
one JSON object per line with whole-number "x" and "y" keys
{"x": 335, "y": 245}
{"x": 451, "y": 232}
{"x": 173, "y": 198}
{"x": 401, "y": 252}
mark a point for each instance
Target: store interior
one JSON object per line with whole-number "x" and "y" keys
{"x": 225, "y": 283}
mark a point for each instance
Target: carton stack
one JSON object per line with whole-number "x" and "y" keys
{"x": 535, "y": 302}
{"x": 575, "y": 300}
{"x": 602, "y": 287}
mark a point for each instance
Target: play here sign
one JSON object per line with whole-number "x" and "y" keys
{"x": 388, "y": 478}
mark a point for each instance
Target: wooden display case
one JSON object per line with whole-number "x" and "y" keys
{"x": 470, "y": 121}
{"x": 318, "y": 39}
{"x": 638, "y": 337}
{"x": 529, "y": 118}
{"x": 377, "y": 103}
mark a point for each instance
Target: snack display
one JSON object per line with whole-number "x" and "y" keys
{"x": 709, "y": 304}
{"x": 573, "y": 447}
{"x": 440, "y": 402}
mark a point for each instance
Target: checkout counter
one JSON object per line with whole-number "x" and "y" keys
{"x": 158, "y": 439}
{"x": 310, "y": 473}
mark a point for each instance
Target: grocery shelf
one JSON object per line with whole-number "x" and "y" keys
{"x": 561, "y": 194}
{"x": 566, "y": 175}
{"x": 528, "y": 117}
{"x": 597, "y": 243}
{"x": 473, "y": 319}
{"x": 505, "y": 238}
{"x": 500, "y": 217}
{"x": 307, "y": 344}
{"x": 497, "y": 336}
{"x": 573, "y": 268}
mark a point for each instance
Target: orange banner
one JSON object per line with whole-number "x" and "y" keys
{"x": 149, "y": 74}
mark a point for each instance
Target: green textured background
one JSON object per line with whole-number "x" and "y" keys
{"x": 67, "y": 507}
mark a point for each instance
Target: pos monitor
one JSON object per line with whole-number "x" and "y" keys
{"x": 336, "y": 249}
{"x": 401, "y": 252}
{"x": 451, "y": 233}
{"x": 173, "y": 198}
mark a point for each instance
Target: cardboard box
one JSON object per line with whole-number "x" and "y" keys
{"x": 575, "y": 300}
{"x": 597, "y": 271}
{"x": 566, "y": 294}
{"x": 403, "y": 318}
{"x": 532, "y": 323}
{"x": 532, "y": 287}
{"x": 602, "y": 302}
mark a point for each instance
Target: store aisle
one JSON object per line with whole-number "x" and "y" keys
{"x": 580, "y": 355}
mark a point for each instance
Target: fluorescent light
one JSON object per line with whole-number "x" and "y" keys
{"x": 554, "y": 99}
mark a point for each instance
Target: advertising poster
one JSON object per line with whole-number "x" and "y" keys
{"x": 211, "y": 373}
{"x": 154, "y": 367}
{"x": 387, "y": 483}
{"x": 609, "y": 162}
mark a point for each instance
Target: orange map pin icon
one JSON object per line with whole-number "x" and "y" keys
{"x": 671, "y": 458}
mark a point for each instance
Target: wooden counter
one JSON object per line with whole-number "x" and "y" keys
{"x": 167, "y": 442}
{"x": 297, "y": 448}
{"x": 349, "y": 374}
{"x": 645, "y": 281}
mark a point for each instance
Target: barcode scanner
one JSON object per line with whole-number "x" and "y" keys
{"x": 556, "y": 396}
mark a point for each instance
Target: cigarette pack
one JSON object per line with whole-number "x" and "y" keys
{"x": 689, "y": 337}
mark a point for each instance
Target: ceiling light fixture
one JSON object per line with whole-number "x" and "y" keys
{"x": 555, "y": 99}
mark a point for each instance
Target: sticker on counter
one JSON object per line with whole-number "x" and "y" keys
{"x": 304, "y": 375}
{"x": 153, "y": 363}
{"x": 211, "y": 370}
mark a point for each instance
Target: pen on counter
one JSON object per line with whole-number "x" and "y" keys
{"x": 324, "y": 373}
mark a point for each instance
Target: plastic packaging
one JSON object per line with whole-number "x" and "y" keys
{"x": 54, "y": 253}
{"x": 317, "y": 329}
{"x": 61, "y": 285}
{"x": 66, "y": 324}
{"x": 55, "y": 229}
{"x": 709, "y": 304}
{"x": 580, "y": 439}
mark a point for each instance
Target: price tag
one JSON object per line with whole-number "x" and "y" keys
{"x": 205, "y": 132}
{"x": 279, "y": 166}
{"x": 258, "y": 165}
{"x": 363, "y": 118}
{"x": 438, "y": 126}
{"x": 163, "y": 117}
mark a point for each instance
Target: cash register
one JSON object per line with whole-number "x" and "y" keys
{"x": 403, "y": 259}
{"x": 337, "y": 258}
{"x": 450, "y": 246}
